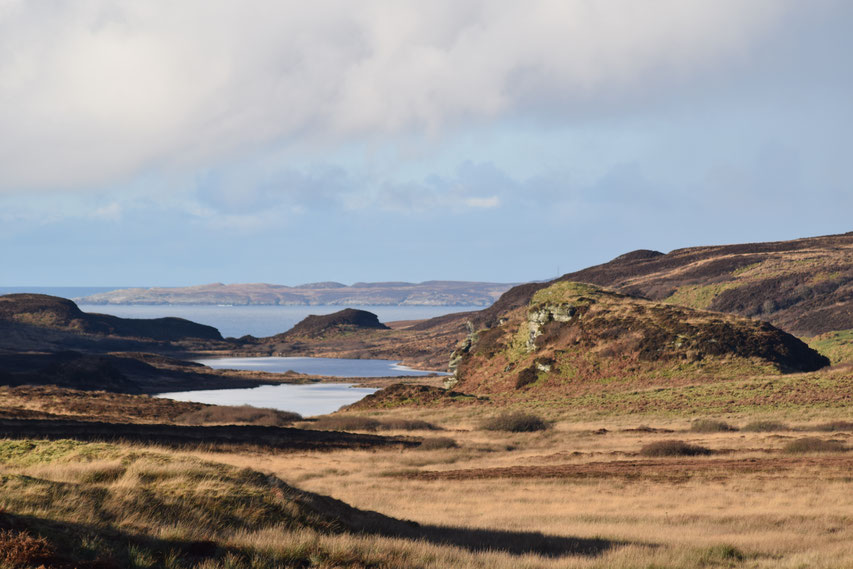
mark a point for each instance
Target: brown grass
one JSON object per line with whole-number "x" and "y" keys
{"x": 757, "y": 509}
{"x": 602, "y": 507}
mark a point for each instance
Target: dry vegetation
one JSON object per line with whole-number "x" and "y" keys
{"x": 740, "y": 490}
{"x": 743, "y": 499}
{"x": 744, "y": 472}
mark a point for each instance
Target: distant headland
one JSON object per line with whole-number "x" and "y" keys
{"x": 429, "y": 293}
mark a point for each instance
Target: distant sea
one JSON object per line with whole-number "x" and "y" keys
{"x": 262, "y": 320}
{"x": 235, "y": 321}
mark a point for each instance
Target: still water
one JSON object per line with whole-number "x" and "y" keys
{"x": 334, "y": 367}
{"x": 305, "y": 399}
{"x": 263, "y": 320}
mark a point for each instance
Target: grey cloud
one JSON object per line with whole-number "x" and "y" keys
{"x": 96, "y": 91}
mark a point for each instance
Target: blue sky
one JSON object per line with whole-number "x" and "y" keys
{"x": 164, "y": 143}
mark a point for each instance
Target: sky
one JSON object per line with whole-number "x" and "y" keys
{"x": 168, "y": 143}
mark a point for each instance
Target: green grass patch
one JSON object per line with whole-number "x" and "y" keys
{"x": 562, "y": 292}
{"x": 837, "y": 346}
{"x": 29, "y": 452}
{"x": 698, "y": 296}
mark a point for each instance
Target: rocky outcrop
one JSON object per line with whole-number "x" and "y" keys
{"x": 574, "y": 334}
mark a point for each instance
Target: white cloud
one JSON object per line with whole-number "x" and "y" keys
{"x": 110, "y": 212}
{"x": 484, "y": 203}
{"x": 94, "y": 91}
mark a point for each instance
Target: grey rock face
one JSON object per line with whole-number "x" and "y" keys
{"x": 542, "y": 315}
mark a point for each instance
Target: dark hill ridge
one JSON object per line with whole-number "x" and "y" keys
{"x": 575, "y": 338}
{"x": 804, "y": 286}
{"x": 347, "y": 320}
{"x": 43, "y": 311}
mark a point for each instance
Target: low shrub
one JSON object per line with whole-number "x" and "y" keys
{"x": 515, "y": 423}
{"x": 436, "y": 443}
{"x": 526, "y": 377}
{"x": 813, "y": 444}
{"x": 407, "y": 425}
{"x": 242, "y": 415}
{"x": 722, "y": 553}
{"x": 710, "y": 426}
{"x": 673, "y": 448}
{"x": 835, "y": 426}
{"x": 20, "y": 549}
{"x": 765, "y": 427}
{"x": 346, "y": 423}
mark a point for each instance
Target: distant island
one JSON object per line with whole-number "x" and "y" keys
{"x": 429, "y": 293}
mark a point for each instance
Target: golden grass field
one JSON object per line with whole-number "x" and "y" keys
{"x": 579, "y": 494}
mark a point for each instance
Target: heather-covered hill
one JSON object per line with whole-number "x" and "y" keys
{"x": 804, "y": 286}
{"x": 341, "y": 322}
{"x": 575, "y": 338}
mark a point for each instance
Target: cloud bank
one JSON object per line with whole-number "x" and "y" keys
{"x": 94, "y": 92}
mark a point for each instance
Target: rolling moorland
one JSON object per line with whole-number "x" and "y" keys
{"x": 678, "y": 410}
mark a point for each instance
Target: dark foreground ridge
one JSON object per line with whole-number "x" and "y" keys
{"x": 280, "y": 438}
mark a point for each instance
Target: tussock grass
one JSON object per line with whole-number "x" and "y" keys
{"x": 435, "y": 443}
{"x": 711, "y": 426}
{"x": 238, "y": 415}
{"x": 517, "y": 422}
{"x": 725, "y": 555}
{"x": 814, "y": 444}
{"x": 673, "y": 448}
{"x": 358, "y": 423}
{"x": 832, "y": 426}
{"x": 765, "y": 427}
{"x": 407, "y": 425}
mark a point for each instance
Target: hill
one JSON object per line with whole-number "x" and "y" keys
{"x": 575, "y": 337}
{"x": 54, "y": 313}
{"x": 804, "y": 286}
{"x": 429, "y": 293}
{"x": 341, "y": 322}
